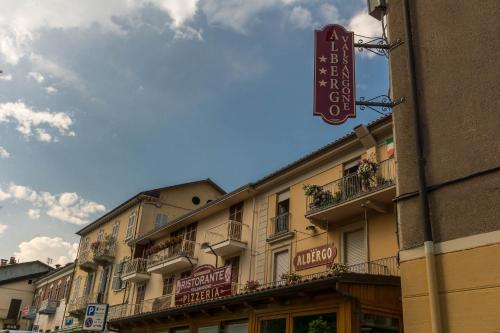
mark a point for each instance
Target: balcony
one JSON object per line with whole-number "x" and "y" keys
{"x": 150, "y": 305}
{"x": 78, "y": 305}
{"x": 135, "y": 270}
{"x": 86, "y": 262}
{"x": 227, "y": 238}
{"x": 279, "y": 228}
{"x": 48, "y": 306}
{"x": 173, "y": 258}
{"x": 29, "y": 312}
{"x": 104, "y": 251}
{"x": 345, "y": 198}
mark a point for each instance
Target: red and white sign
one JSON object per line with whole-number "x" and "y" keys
{"x": 334, "y": 80}
{"x": 205, "y": 283}
{"x": 316, "y": 256}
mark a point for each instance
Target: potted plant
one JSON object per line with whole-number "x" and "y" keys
{"x": 366, "y": 172}
{"x": 252, "y": 285}
{"x": 320, "y": 197}
{"x": 291, "y": 277}
{"x": 339, "y": 268}
{"x": 318, "y": 326}
{"x": 95, "y": 246}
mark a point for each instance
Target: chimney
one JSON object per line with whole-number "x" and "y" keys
{"x": 3, "y": 262}
{"x": 57, "y": 266}
{"x": 12, "y": 260}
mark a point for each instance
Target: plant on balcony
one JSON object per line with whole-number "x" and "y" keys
{"x": 366, "y": 171}
{"x": 94, "y": 246}
{"x": 151, "y": 250}
{"x": 252, "y": 285}
{"x": 320, "y": 197}
{"x": 339, "y": 268}
{"x": 291, "y": 277}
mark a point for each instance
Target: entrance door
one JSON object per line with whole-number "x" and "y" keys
{"x": 275, "y": 325}
{"x": 139, "y": 298}
{"x": 355, "y": 249}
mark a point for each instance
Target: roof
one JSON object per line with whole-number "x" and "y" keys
{"x": 63, "y": 270}
{"x": 136, "y": 198}
{"x": 23, "y": 271}
{"x": 260, "y": 182}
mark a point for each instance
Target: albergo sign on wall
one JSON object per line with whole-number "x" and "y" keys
{"x": 205, "y": 283}
{"x": 316, "y": 256}
{"x": 334, "y": 86}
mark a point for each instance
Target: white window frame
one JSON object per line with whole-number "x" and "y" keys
{"x": 115, "y": 229}
{"x": 100, "y": 235}
{"x": 130, "y": 226}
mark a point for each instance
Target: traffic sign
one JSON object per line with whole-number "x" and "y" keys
{"x": 95, "y": 317}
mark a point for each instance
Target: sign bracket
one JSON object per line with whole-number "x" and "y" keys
{"x": 379, "y": 104}
{"x": 377, "y": 45}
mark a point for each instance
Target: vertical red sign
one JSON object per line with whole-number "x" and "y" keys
{"x": 334, "y": 86}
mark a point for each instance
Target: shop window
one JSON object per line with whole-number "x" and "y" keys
{"x": 273, "y": 326}
{"x": 281, "y": 264}
{"x": 208, "y": 329}
{"x": 324, "y": 323}
{"x": 379, "y": 324}
{"x": 236, "y": 328}
{"x": 180, "y": 330}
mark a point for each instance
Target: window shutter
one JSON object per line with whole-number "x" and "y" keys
{"x": 355, "y": 252}
{"x": 281, "y": 264}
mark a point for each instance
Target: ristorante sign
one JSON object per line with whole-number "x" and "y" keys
{"x": 317, "y": 256}
{"x": 334, "y": 86}
{"x": 205, "y": 283}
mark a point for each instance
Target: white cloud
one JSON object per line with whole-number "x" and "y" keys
{"x": 329, "y": 14}
{"x": 365, "y": 25}
{"x": 34, "y": 214}
{"x": 66, "y": 207}
{"x": 301, "y": 17}
{"x": 6, "y": 77}
{"x": 36, "y": 76}
{"x": 43, "y": 247}
{"x": 4, "y": 153}
{"x": 30, "y": 121}
{"x": 51, "y": 90}
{"x": 3, "y": 228}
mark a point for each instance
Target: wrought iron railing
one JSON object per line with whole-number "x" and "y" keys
{"x": 80, "y": 303}
{"x": 48, "y": 306}
{"x": 280, "y": 224}
{"x": 230, "y": 230}
{"x": 105, "y": 249}
{"x": 137, "y": 265}
{"x": 85, "y": 257}
{"x": 352, "y": 186}
{"x": 385, "y": 266}
{"x": 183, "y": 248}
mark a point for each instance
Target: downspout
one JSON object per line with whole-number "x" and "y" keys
{"x": 250, "y": 277}
{"x": 430, "y": 262}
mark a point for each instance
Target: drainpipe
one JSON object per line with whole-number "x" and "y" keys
{"x": 430, "y": 262}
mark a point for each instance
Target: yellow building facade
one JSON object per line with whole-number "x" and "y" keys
{"x": 311, "y": 247}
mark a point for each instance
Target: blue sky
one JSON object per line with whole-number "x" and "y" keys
{"x": 99, "y": 101}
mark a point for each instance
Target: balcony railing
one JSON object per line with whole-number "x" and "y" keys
{"x": 183, "y": 248}
{"x": 385, "y": 266}
{"x": 79, "y": 304}
{"x": 48, "y": 306}
{"x": 134, "y": 266}
{"x": 230, "y": 230}
{"x": 280, "y": 224}
{"x": 352, "y": 186}
{"x": 104, "y": 252}
{"x": 86, "y": 262}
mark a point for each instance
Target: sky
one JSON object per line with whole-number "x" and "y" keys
{"x": 100, "y": 100}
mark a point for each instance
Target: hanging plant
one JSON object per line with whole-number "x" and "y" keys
{"x": 366, "y": 171}
{"x": 291, "y": 277}
{"x": 339, "y": 268}
{"x": 252, "y": 285}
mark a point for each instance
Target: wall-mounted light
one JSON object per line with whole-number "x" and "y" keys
{"x": 377, "y": 8}
{"x": 311, "y": 228}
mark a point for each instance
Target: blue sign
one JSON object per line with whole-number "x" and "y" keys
{"x": 89, "y": 322}
{"x": 90, "y": 310}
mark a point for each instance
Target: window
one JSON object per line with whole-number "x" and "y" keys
{"x": 185, "y": 274}
{"x": 354, "y": 247}
{"x": 89, "y": 283}
{"x": 325, "y": 323}
{"x": 379, "y": 323}
{"x": 100, "y": 235}
{"x": 236, "y": 327}
{"x": 273, "y": 325}
{"x": 282, "y": 221}
{"x": 76, "y": 289}
{"x": 161, "y": 220}
{"x": 130, "y": 226}
{"x": 85, "y": 244}
{"x": 208, "y": 329}
{"x": 118, "y": 283}
{"x": 235, "y": 268}
{"x": 51, "y": 290}
{"x": 114, "y": 231}
{"x": 168, "y": 284}
{"x": 281, "y": 264}
{"x": 103, "y": 283}
{"x": 66, "y": 286}
{"x": 196, "y": 200}
{"x": 15, "y": 306}
{"x": 236, "y": 212}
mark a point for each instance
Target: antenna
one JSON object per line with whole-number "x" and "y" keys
{"x": 49, "y": 261}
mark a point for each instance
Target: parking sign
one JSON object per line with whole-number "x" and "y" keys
{"x": 95, "y": 317}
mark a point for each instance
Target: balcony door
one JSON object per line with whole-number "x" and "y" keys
{"x": 354, "y": 247}
{"x": 139, "y": 297}
{"x": 236, "y": 220}
{"x": 282, "y": 210}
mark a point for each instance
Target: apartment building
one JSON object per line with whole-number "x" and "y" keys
{"x": 104, "y": 249}
{"x": 51, "y": 297}
{"x": 309, "y": 248}
{"x": 17, "y": 288}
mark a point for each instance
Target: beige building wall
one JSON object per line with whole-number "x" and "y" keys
{"x": 22, "y": 290}
{"x": 456, "y": 44}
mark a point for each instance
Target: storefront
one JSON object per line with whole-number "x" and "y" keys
{"x": 328, "y": 304}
